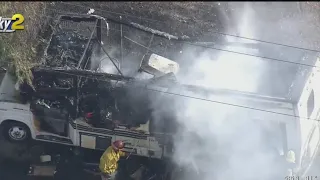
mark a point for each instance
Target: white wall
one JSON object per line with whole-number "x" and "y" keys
{"x": 310, "y": 140}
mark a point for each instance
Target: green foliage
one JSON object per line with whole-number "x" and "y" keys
{"x": 17, "y": 50}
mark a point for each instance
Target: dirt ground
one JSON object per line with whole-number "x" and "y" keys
{"x": 181, "y": 18}
{"x": 195, "y": 19}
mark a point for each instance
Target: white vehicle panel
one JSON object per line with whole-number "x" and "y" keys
{"x": 309, "y": 112}
{"x": 163, "y": 64}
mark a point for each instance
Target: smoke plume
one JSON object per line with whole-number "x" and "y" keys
{"x": 219, "y": 141}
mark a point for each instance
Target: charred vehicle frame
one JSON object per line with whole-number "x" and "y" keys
{"x": 68, "y": 94}
{"x": 67, "y": 86}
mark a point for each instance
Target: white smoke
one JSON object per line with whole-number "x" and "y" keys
{"x": 221, "y": 141}
{"x": 100, "y": 61}
{"x": 228, "y": 70}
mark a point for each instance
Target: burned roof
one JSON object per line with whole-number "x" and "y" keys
{"x": 74, "y": 72}
{"x": 72, "y": 46}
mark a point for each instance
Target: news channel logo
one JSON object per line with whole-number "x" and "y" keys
{"x": 9, "y": 25}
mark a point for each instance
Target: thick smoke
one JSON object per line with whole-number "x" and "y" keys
{"x": 101, "y": 62}
{"x": 220, "y": 141}
{"x": 224, "y": 142}
{"x": 216, "y": 141}
{"x": 224, "y": 69}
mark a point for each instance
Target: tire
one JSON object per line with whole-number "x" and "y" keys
{"x": 16, "y": 132}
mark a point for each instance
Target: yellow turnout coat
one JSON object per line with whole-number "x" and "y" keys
{"x": 109, "y": 160}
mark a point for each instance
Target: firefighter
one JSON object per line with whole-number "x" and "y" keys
{"x": 291, "y": 160}
{"x": 109, "y": 160}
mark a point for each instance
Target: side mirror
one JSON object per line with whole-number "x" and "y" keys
{"x": 158, "y": 65}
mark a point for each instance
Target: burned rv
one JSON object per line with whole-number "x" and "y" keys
{"x": 76, "y": 102}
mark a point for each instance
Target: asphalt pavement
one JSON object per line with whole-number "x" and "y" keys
{"x": 13, "y": 160}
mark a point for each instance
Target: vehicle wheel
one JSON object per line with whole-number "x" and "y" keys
{"x": 16, "y": 132}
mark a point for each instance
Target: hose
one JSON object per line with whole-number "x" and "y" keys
{"x": 135, "y": 146}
